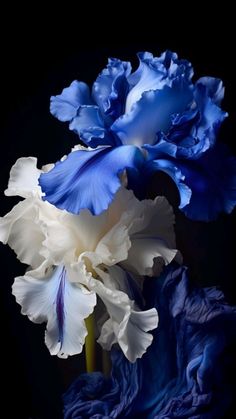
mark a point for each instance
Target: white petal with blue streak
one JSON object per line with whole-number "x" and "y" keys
{"x": 60, "y": 303}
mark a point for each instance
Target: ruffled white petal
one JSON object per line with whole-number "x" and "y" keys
{"x": 156, "y": 219}
{"x": 138, "y": 234}
{"x": 152, "y": 238}
{"x": 148, "y": 256}
{"x": 127, "y": 325}
{"x": 70, "y": 235}
{"x": 19, "y": 228}
{"x": 25, "y": 227}
{"x": 60, "y": 303}
{"x": 114, "y": 246}
{"x": 24, "y": 178}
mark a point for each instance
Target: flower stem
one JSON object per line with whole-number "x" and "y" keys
{"x": 106, "y": 363}
{"x": 90, "y": 344}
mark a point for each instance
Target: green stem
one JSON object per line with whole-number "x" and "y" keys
{"x": 90, "y": 344}
{"x": 106, "y": 363}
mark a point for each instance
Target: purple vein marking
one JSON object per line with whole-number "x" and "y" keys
{"x": 60, "y": 306}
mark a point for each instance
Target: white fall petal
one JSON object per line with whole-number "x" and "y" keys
{"x": 63, "y": 305}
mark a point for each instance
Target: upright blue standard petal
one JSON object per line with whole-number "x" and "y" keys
{"x": 110, "y": 89}
{"x": 152, "y": 114}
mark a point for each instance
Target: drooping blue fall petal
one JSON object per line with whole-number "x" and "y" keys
{"x": 207, "y": 186}
{"x": 169, "y": 167}
{"x": 184, "y": 372}
{"x": 64, "y": 106}
{"x": 212, "y": 181}
{"x": 89, "y": 178}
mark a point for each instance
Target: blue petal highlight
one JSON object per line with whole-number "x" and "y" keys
{"x": 89, "y": 178}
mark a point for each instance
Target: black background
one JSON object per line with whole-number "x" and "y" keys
{"x": 38, "y": 59}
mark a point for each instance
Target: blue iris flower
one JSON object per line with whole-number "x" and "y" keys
{"x": 154, "y": 119}
{"x": 184, "y": 373}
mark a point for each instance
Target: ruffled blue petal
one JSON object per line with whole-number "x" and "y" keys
{"x": 214, "y": 88}
{"x": 64, "y": 106}
{"x": 174, "y": 67}
{"x": 212, "y": 180}
{"x": 89, "y": 125}
{"x": 145, "y": 78}
{"x": 152, "y": 113}
{"x": 88, "y": 178}
{"x": 154, "y": 73}
{"x": 96, "y": 396}
{"x": 207, "y": 186}
{"x": 211, "y": 115}
{"x": 194, "y": 130}
{"x": 111, "y": 87}
{"x": 162, "y": 149}
{"x": 184, "y": 133}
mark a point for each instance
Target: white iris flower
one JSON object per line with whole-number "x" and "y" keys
{"x": 76, "y": 259}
